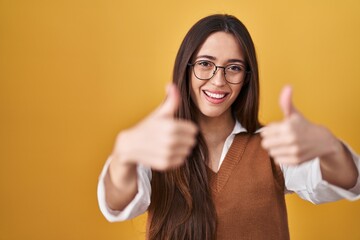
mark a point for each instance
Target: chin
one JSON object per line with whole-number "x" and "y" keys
{"x": 211, "y": 114}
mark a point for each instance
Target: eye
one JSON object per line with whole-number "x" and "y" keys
{"x": 204, "y": 64}
{"x": 235, "y": 68}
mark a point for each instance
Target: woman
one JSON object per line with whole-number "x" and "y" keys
{"x": 212, "y": 175}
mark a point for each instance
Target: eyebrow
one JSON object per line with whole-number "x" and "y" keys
{"x": 232, "y": 60}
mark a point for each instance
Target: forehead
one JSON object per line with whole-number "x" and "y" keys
{"x": 222, "y": 46}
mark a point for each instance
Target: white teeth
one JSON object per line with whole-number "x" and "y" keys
{"x": 215, "y": 95}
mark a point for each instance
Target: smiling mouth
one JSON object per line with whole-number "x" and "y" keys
{"x": 215, "y": 95}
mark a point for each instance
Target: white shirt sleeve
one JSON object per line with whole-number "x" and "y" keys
{"x": 306, "y": 181}
{"x": 137, "y": 206}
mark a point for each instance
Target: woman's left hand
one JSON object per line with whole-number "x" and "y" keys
{"x": 295, "y": 140}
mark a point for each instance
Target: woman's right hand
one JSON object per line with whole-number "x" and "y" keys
{"x": 159, "y": 141}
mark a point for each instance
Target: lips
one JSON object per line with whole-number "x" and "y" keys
{"x": 215, "y": 97}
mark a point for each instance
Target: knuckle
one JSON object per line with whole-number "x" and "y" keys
{"x": 166, "y": 154}
{"x": 291, "y": 139}
{"x": 170, "y": 127}
{"x": 290, "y": 127}
{"x": 286, "y": 127}
{"x": 272, "y": 152}
{"x": 295, "y": 150}
{"x": 168, "y": 143}
{"x": 264, "y": 143}
{"x": 171, "y": 145}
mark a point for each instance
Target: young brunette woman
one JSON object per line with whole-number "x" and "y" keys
{"x": 201, "y": 164}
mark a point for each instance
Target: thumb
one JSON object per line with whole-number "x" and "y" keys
{"x": 171, "y": 103}
{"x": 285, "y": 101}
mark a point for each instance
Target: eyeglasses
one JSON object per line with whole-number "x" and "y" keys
{"x": 205, "y": 70}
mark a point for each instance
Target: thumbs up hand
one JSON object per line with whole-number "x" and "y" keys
{"x": 286, "y": 102}
{"x": 159, "y": 141}
{"x": 294, "y": 140}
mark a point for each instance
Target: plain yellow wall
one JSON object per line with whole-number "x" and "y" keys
{"x": 75, "y": 72}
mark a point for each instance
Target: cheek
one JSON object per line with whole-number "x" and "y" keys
{"x": 236, "y": 91}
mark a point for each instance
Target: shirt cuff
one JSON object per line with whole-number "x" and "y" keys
{"x": 324, "y": 191}
{"x": 137, "y": 206}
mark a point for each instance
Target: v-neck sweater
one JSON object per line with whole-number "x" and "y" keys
{"x": 248, "y": 193}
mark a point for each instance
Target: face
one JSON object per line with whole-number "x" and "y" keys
{"x": 214, "y": 97}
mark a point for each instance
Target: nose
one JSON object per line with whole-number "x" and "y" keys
{"x": 219, "y": 77}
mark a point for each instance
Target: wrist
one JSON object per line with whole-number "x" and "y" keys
{"x": 121, "y": 154}
{"x": 120, "y": 183}
{"x": 335, "y": 147}
{"x": 121, "y": 172}
{"x": 121, "y": 163}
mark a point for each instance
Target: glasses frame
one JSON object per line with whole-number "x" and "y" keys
{"x": 214, "y": 72}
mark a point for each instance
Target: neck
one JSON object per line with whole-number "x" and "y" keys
{"x": 216, "y": 129}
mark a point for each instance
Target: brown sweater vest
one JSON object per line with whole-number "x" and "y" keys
{"x": 248, "y": 193}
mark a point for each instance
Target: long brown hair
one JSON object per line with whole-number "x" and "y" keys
{"x": 181, "y": 203}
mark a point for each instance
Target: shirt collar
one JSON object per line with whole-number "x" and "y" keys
{"x": 238, "y": 128}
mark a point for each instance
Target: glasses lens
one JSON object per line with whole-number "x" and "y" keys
{"x": 204, "y": 70}
{"x": 234, "y": 73}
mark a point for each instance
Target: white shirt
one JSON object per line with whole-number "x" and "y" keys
{"x": 305, "y": 180}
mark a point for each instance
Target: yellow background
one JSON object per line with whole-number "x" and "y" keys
{"x": 73, "y": 73}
